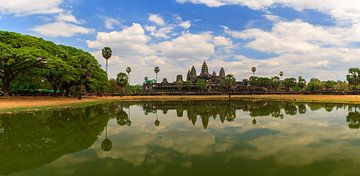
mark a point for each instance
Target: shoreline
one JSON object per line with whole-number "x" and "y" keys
{"x": 15, "y": 104}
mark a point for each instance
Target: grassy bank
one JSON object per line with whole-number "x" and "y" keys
{"x": 13, "y": 104}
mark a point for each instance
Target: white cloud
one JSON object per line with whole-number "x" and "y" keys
{"x": 129, "y": 41}
{"x": 30, "y": 7}
{"x": 67, "y": 17}
{"x": 111, "y": 22}
{"x": 297, "y": 37}
{"x": 63, "y": 29}
{"x": 157, "y": 19}
{"x": 188, "y": 46}
{"x": 302, "y": 49}
{"x": 185, "y": 24}
{"x": 222, "y": 41}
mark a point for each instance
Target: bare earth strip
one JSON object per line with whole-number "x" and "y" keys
{"x": 22, "y": 103}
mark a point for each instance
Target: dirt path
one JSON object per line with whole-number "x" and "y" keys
{"x": 36, "y": 102}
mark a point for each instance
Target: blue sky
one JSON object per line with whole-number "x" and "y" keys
{"x": 302, "y": 38}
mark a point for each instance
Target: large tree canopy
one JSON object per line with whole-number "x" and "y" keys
{"x": 61, "y": 66}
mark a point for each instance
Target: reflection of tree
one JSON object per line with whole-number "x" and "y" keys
{"x": 290, "y": 109}
{"x": 122, "y": 117}
{"x": 31, "y": 140}
{"x": 254, "y": 122}
{"x": 353, "y": 120}
{"x": 329, "y": 107}
{"x": 302, "y": 109}
{"x": 157, "y": 121}
{"x": 106, "y": 144}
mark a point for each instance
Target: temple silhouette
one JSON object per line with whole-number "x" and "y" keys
{"x": 198, "y": 83}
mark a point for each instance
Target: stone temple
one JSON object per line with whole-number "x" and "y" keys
{"x": 205, "y": 75}
{"x": 192, "y": 81}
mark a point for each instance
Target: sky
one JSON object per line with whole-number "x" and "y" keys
{"x": 308, "y": 38}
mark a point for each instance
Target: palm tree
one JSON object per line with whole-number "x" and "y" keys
{"x": 128, "y": 70}
{"x": 106, "y": 52}
{"x": 281, "y": 74}
{"x": 121, "y": 81}
{"x": 253, "y": 69}
{"x": 156, "y": 70}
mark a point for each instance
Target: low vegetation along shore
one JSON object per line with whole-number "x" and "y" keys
{"x": 11, "y": 104}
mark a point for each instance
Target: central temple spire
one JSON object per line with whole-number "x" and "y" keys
{"x": 204, "y": 69}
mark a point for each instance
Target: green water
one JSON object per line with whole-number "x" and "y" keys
{"x": 183, "y": 138}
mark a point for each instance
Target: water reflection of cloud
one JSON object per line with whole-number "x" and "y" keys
{"x": 303, "y": 133}
{"x": 297, "y": 140}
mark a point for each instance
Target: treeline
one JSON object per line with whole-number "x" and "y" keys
{"x": 32, "y": 63}
{"x": 314, "y": 85}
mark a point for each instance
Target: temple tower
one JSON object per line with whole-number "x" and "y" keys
{"x": 193, "y": 71}
{"x": 204, "y": 69}
{"x": 213, "y": 74}
{"x": 179, "y": 78}
{"x": 222, "y": 72}
{"x": 188, "y": 76}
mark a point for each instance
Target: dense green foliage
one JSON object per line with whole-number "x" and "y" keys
{"x": 32, "y": 63}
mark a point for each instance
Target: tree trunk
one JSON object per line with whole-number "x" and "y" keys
{"x": 229, "y": 95}
{"x": 6, "y": 85}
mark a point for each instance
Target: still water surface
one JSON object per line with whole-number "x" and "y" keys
{"x": 183, "y": 138}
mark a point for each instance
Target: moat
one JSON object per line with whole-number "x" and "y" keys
{"x": 183, "y": 138}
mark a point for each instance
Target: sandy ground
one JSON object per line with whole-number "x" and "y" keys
{"x": 29, "y": 102}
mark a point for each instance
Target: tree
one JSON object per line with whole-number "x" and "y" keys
{"x": 281, "y": 74}
{"x": 201, "y": 84}
{"x": 21, "y": 54}
{"x": 229, "y": 83}
{"x": 314, "y": 85}
{"x": 353, "y": 78}
{"x": 128, "y": 70}
{"x": 179, "y": 85}
{"x": 329, "y": 85}
{"x": 301, "y": 82}
{"x": 106, "y": 52}
{"x": 85, "y": 66}
{"x": 260, "y": 81}
{"x": 253, "y": 69}
{"x": 275, "y": 81}
{"x": 290, "y": 83}
{"x": 121, "y": 81}
{"x": 189, "y": 85}
{"x": 156, "y": 70}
